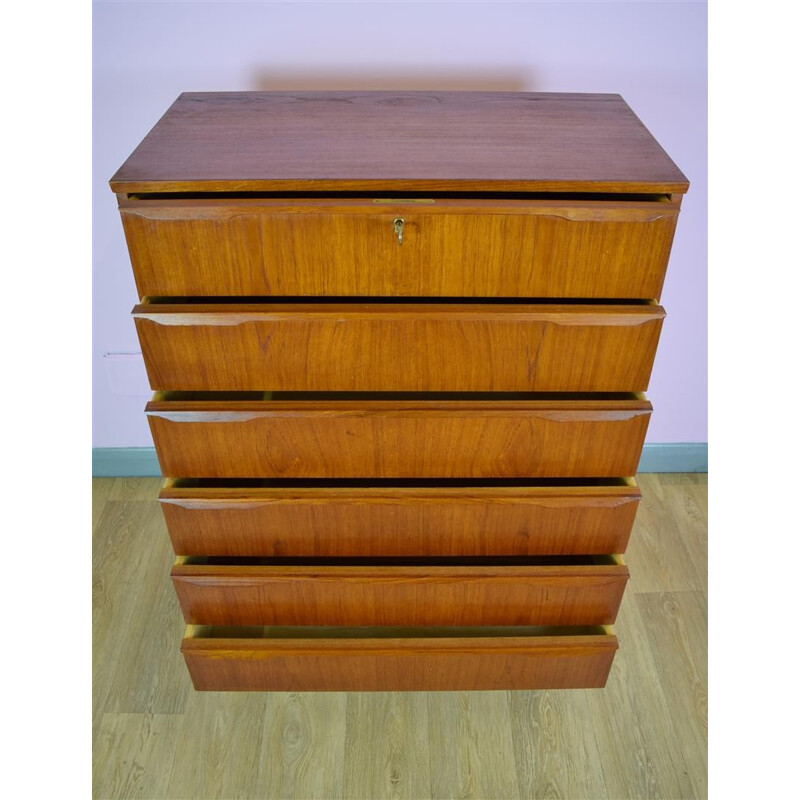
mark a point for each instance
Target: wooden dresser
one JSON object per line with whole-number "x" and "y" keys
{"x": 398, "y": 343}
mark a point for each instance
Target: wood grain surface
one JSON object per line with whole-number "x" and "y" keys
{"x": 398, "y": 347}
{"x": 644, "y": 735}
{"x": 486, "y": 247}
{"x": 506, "y": 659}
{"x": 126, "y": 742}
{"x": 131, "y": 557}
{"x": 482, "y": 764}
{"x": 398, "y": 521}
{"x": 681, "y": 618}
{"x": 510, "y": 141}
{"x": 398, "y": 438}
{"x": 675, "y": 559}
{"x": 399, "y": 760}
{"x": 386, "y": 594}
{"x": 225, "y": 736}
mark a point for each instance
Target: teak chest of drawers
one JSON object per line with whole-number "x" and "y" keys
{"x": 399, "y": 344}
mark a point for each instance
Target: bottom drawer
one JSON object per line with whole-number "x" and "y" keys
{"x": 397, "y": 659}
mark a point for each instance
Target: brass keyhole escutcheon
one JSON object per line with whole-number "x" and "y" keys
{"x": 398, "y": 229}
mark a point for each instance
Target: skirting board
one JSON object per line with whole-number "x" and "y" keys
{"x": 123, "y": 462}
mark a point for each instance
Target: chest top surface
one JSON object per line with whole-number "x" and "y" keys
{"x": 407, "y": 141}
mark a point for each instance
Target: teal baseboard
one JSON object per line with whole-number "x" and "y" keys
{"x": 124, "y": 462}
{"x": 678, "y": 457}
{"x": 119, "y": 462}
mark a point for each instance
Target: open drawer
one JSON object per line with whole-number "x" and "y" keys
{"x": 391, "y": 659}
{"x": 399, "y": 518}
{"x": 286, "y": 435}
{"x": 534, "y": 245}
{"x": 545, "y": 590}
{"x": 406, "y": 346}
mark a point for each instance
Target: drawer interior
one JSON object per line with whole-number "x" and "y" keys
{"x": 310, "y": 633}
{"x": 175, "y": 484}
{"x": 296, "y": 302}
{"x": 445, "y": 562}
{"x": 528, "y": 397}
{"x": 412, "y": 198}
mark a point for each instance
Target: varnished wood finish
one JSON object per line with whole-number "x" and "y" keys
{"x": 506, "y": 201}
{"x": 360, "y": 347}
{"x": 398, "y": 438}
{"x": 503, "y": 141}
{"x": 399, "y": 521}
{"x": 460, "y": 248}
{"x": 385, "y": 594}
{"x": 407, "y": 663}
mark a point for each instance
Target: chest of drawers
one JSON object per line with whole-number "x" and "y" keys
{"x": 399, "y": 344}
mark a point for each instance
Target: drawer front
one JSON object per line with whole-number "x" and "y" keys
{"x": 560, "y": 594}
{"x": 399, "y": 521}
{"x": 450, "y": 248}
{"x": 481, "y": 660}
{"x": 394, "y": 439}
{"x": 403, "y": 347}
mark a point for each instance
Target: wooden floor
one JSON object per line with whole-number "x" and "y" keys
{"x": 643, "y": 736}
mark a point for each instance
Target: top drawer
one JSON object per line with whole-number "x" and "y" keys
{"x": 261, "y": 246}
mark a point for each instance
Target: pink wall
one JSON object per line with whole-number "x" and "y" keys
{"x": 653, "y": 54}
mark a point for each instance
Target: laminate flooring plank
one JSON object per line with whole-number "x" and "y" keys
{"x": 101, "y": 489}
{"x": 680, "y": 478}
{"x": 303, "y": 749}
{"x": 471, "y": 749}
{"x": 219, "y": 750}
{"x": 134, "y": 754}
{"x": 151, "y": 673}
{"x": 640, "y": 755}
{"x": 387, "y": 748}
{"x": 146, "y": 673}
{"x": 135, "y": 488}
{"x": 555, "y": 747}
{"x": 121, "y": 567}
{"x": 663, "y": 553}
{"x": 130, "y": 567}
{"x": 693, "y": 512}
{"x": 676, "y": 625}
